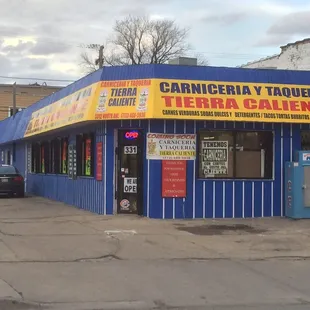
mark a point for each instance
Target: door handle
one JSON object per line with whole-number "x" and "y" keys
{"x": 304, "y": 186}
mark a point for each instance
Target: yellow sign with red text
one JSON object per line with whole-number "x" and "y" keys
{"x": 131, "y": 99}
{"x": 232, "y": 101}
{"x": 176, "y": 99}
{"x": 106, "y": 100}
{"x": 69, "y": 110}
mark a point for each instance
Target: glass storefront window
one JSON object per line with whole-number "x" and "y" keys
{"x": 235, "y": 154}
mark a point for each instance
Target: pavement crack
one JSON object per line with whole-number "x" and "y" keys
{"x": 13, "y": 288}
{"x": 280, "y": 283}
{"x": 8, "y": 234}
{"x": 103, "y": 257}
{"x": 283, "y": 257}
{"x": 200, "y": 259}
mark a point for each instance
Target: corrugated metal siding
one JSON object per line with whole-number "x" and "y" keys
{"x": 211, "y": 198}
{"x": 20, "y": 159}
{"x": 221, "y": 198}
{"x": 86, "y": 192}
{"x": 200, "y": 73}
{"x": 205, "y": 198}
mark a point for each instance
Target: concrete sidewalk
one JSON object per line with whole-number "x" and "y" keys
{"x": 38, "y": 230}
{"x": 69, "y": 255}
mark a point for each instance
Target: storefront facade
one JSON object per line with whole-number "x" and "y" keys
{"x": 153, "y": 141}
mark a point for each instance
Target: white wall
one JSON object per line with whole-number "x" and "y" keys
{"x": 293, "y": 57}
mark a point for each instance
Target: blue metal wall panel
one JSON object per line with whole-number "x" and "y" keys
{"x": 128, "y": 72}
{"x": 20, "y": 160}
{"x": 201, "y": 73}
{"x": 222, "y": 198}
{"x": 206, "y": 74}
{"x": 205, "y": 198}
{"x": 247, "y": 200}
{"x": 110, "y": 163}
{"x": 86, "y": 192}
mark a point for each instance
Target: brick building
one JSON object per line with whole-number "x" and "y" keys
{"x": 26, "y": 95}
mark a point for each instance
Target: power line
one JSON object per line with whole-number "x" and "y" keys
{"x": 233, "y": 54}
{"x": 33, "y": 78}
{"x": 70, "y": 43}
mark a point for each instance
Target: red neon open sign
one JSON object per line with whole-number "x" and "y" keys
{"x": 132, "y": 135}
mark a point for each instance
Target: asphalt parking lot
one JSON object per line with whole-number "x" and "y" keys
{"x": 54, "y": 256}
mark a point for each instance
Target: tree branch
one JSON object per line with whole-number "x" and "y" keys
{"x": 140, "y": 40}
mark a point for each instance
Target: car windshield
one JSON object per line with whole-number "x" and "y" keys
{"x": 7, "y": 170}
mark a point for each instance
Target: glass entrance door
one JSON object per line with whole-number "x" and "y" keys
{"x": 129, "y": 172}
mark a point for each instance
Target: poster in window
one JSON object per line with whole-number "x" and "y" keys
{"x": 42, "y": 159}
{"x": 74, "y": 160}
{"x": 72, "y": 165}
{"x": 174, "y": 178}
{"x": 130, "y": 185}
{"x": 163, "y": 146}
{"x": 29, "y": 156}
{"x": 70, "y": 161}
{"x": 88, "y": 157}
{"x": 99, "y": 161}
{"x": 64, "y": 157}
{"x": 214, "y": 158}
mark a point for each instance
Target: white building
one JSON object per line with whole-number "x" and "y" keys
{"x": 293, "y": 56}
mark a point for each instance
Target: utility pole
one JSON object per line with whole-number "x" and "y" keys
{"x": 99, "y": 48}
{"x": 101, "y": 56}
{"x": 14, "y": 98}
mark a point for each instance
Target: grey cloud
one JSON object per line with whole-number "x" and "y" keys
{"x": 60, "y": 26}
{"x": 48, "y": 47}
{"x": 42, "y": 47}
{"x": 73, "y": 20}
{"x": 10, "y": 31}
{"x": 19, "y": 48}
{"x": 292, "y": 24}
{"x": 49, "y": 77}
{"x": 5, "y": 65}
{"x": 224, "y": 19}
{"x": 47, "y": 28}
{"x": 133, "y": 11}
{"x": 273, "y": 40}
{"x": 37, "y": 64}
{"x": 285, "y": 29}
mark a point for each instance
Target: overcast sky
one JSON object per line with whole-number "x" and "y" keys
{"x": 41, "y": 38}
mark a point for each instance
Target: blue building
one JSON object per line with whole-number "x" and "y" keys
{"x": 164, "y": 141}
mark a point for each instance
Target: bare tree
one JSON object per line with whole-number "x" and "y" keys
{"x": 88, "y": 63}
{"x": 141, "y": 40}
{"x": 201, "y": 60}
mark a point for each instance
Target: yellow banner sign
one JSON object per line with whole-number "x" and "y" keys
{"x": 232, "y": 101}
{"x": 106, "y": 100}
{"x": 131, "y": 99}
{"x": 175, "y": 99}
{"x": 69, "y": 110}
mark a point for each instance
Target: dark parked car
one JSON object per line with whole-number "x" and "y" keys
{"x": 11, "y": 181}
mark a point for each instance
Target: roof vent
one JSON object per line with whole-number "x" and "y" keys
{"x": 183, "y": 61}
